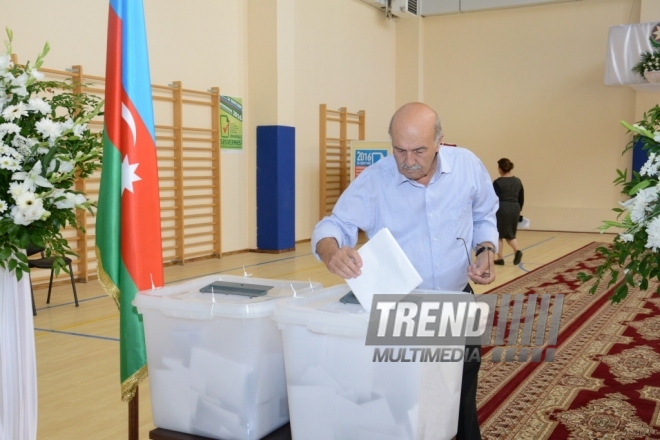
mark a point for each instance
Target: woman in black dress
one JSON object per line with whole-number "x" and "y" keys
{"x": 512, "y": 196}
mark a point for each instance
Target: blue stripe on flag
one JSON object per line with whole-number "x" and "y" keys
{"x": 136, "y": 77}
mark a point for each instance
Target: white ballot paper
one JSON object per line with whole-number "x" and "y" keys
{"x": 385, "y": 270}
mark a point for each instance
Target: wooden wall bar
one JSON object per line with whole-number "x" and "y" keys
{"x": 189, "y": 161}
{"x": 335, "y": 153}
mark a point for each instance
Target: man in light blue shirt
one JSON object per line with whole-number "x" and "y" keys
{"x": 438, "y": 202}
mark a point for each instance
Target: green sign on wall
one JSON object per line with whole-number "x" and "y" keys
{"x": 231, "y": 123}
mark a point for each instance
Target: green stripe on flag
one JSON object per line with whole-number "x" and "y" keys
{"x": 113, "y": 275}
{"x": 133, "y": 354}
{"x": 108, "y": 220}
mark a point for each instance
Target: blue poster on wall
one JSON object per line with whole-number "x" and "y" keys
{"x": 364, "y": 158}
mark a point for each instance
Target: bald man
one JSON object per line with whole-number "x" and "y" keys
{"x": 436, "y": 200}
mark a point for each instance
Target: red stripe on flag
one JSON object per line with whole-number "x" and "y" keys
{"x": 113, "y": 87}
{"x": 141, "y": 242}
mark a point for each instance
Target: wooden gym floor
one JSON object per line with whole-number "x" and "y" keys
{"x": 78, "y": 348}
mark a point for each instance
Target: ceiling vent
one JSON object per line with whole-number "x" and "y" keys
{"x": 404, "y": 8}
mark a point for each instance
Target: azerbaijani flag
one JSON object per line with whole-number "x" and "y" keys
{"x": 128, "y": 239}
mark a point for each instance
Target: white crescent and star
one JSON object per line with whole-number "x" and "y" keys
{"x": 655, "y": 33}
{"x": 128, "y": 174}
{"x": 128, "y": 117}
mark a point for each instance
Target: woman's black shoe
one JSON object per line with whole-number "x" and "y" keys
{"x": 517, "y": 258}
{"x": 499, "y": 262}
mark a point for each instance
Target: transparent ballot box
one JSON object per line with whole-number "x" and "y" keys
{"x": 339, "y": 389}
{"x": 216, "y": 366}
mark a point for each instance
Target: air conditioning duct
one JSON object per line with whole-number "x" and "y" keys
{"x": 405, "y": 8}
{"x": 380, "y": 4}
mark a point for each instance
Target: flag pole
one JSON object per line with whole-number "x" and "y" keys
{"x": 134, "y": 416}
{"x": 128, "y": 229}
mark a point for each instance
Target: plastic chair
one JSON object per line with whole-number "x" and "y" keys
{"x": 47, "y": 263}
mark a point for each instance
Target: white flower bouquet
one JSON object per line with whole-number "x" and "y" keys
{"x": 634, "y": 253}
{"x": 45, "y": 145}
{"x": 648, "y": 61}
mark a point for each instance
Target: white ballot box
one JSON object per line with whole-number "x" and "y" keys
{"x": 216, "y": 366}
{"x": 338, "y": 389}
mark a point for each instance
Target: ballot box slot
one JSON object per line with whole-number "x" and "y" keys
{"x": 231, "y": 288}
{"x": 349, "y": 298}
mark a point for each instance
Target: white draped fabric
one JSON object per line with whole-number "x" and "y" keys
{"x": 18, "y": 369}
{"x": 626, "y": 44}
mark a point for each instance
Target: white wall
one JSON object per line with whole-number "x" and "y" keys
{"x": 345, "y": 57}
{"x": 527, "y": 84}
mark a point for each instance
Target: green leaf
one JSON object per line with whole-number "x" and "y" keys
{"x": 10, "y": 36}
{"x": 639, "y": 129}
{"x": 620, "y": 293}
{"x": 38, "y": 241}
{"x": 622, "y": 176}
{"x": 5, "y": 253}
{"x": 583, "y": 277}
{"x": 641, "y": 185}
{"x": 22, "y": 257}
{"x": 615, "y": 276}
{"x": 47, "y": 158}
{"x": 611, "y": 223}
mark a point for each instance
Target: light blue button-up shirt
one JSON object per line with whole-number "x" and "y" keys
{"x": 428, "y": 222}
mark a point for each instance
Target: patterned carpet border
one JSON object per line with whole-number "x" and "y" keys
{"x": 531, "y": 272}
{"x": 605, "y": 380}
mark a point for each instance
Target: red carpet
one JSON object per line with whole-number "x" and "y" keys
{"x": 605, "y": 380}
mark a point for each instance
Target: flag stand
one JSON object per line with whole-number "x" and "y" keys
{"x": 133, "y": 417}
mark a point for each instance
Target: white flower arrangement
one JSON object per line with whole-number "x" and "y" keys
{"x": 648, "y": 61}
{"x": 634, "y": 252}
{"x": 651, "y": 63}
{"x": 45, "y": 145}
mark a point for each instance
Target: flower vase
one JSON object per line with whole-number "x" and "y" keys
{"x": 652, "y": 76}
{"x": 18, "y": 368}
